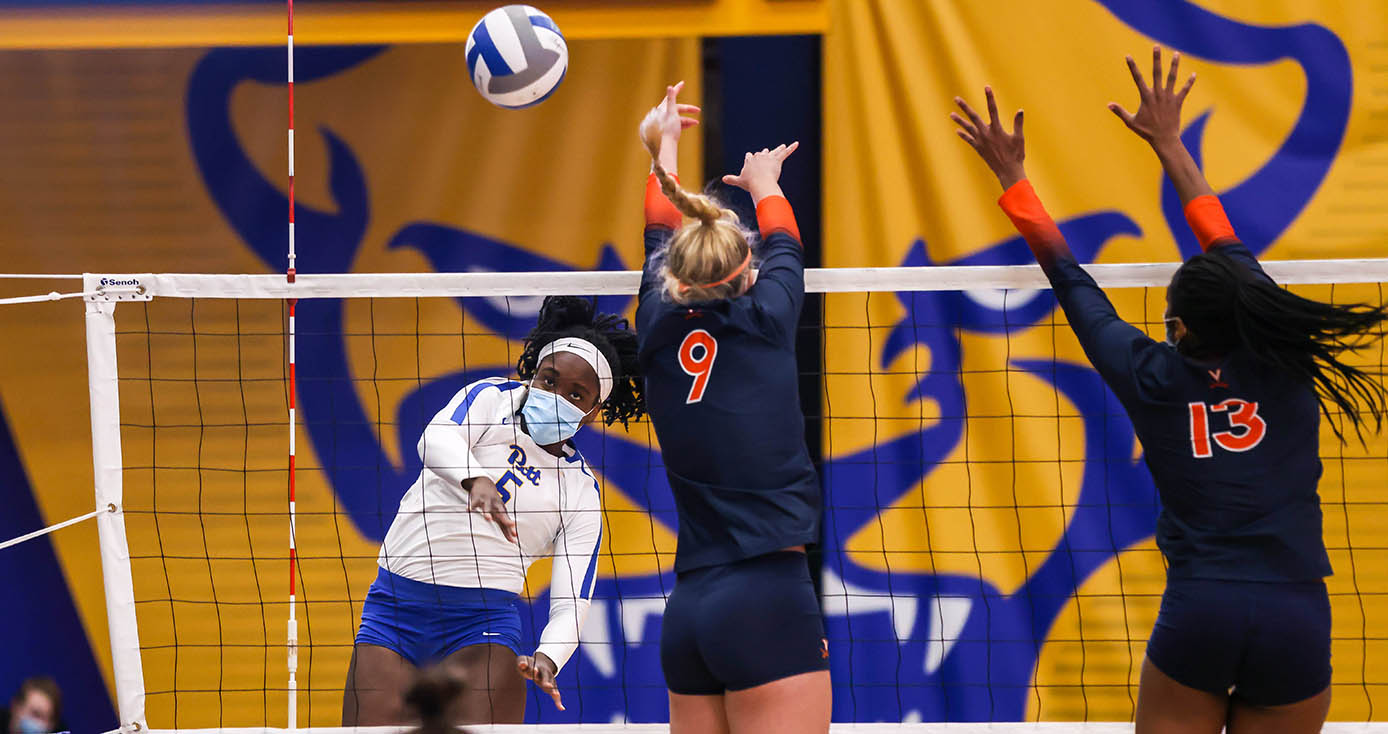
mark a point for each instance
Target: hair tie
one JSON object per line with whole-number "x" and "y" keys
{"x": 736, "y": 272}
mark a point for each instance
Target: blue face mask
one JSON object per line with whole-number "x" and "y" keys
{"x": 549, "y": 418}
{"x": 30, "y": 725}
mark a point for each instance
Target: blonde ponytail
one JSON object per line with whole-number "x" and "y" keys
{"x": 709, "y": 258}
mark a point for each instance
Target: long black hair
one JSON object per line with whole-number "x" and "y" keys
{"x": 431, "y": 695}
{"x": 1226, "y": 306}
{"x": 562, "y": 316}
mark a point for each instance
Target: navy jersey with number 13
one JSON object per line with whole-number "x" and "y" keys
{"x": 722, "y": 390}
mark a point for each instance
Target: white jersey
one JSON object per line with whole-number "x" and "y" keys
{"x": 554, "y": 500}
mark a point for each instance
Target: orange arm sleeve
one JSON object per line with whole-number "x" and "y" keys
{"x": 775, "y": 215}
{"x": 660, "y": 212}
{"x": 1207, "y": 220}
{"x": 1021, "y": 204}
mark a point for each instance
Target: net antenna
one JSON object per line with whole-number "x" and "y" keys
{"x": 292, "y": 638}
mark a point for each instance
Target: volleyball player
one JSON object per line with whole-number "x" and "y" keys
{"x": 1228, "y": 414}
{"x": 742, "y": 643}
{"x": 501, "y": 486}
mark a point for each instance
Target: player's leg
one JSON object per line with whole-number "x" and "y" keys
{"x": 696, "y": 696}
{"x": 1294, "y": 718}
{"x": 800, "y": 704}
{"x": 1284, "y": 682}
{"x": 1165, "y": 706}
{"x": 697, "y": 714}
{"x": 493, "y": 690}
{"x": 1192, "y": 658}
{"x": 376, "y": 681}
{"x": 763, "y": 636}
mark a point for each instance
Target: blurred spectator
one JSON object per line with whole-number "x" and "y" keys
{"x": 36, "y": 709}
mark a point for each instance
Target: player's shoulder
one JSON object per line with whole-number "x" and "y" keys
{"x": 491, "y": 392}
{"x": 581, "y": 476}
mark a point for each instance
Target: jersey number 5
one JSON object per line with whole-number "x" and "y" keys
{"x": 1246, "y": 428}
{"x": 697, "y": 352}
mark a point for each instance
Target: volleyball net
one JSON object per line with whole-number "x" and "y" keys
{"x": 987, "y": 550}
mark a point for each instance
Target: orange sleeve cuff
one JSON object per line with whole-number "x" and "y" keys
{"x": 775, "y": 215}
{"x": 659, "y": 209}
{"x": 1021, "y": 204}
{"x": 1207, "y": 220}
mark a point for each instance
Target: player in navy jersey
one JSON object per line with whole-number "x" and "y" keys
{"x": 502, "y": 485}
{"x": 1228, "y": 414}
{"x": 742, "y": 644}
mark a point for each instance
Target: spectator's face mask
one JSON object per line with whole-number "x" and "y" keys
{"x": 31, "y": 725}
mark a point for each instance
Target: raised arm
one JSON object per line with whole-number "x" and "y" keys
{"x": 1158, "y": 122}
{"x": 661, "y": 129}
{"x": 1120, "y": 352}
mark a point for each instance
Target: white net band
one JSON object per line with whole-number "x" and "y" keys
{"x": 817, "y": 280}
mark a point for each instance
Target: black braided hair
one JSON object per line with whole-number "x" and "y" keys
{"x": 1226, "y": 306}
{"x": 431, "y": 695}
{"x": 562, "y": 316}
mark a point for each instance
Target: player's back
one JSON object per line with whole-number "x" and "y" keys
{"x": 723, "y": 394}
{"x": 1232, "y": 446}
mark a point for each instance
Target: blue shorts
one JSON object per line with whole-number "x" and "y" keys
{"x": 743, "y": 624}
{"x": 1266, "y": 644}
{"x": 425, "y": 623}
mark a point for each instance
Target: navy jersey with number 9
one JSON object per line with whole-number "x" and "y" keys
{"x": 722, "y": 390}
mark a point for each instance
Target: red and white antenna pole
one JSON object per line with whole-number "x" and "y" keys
{"x": 293, "y": 631}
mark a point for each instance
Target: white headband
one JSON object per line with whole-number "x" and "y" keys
{"x": 590, "y": 354}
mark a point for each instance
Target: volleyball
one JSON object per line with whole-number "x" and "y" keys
{"x": 516, "y": 56}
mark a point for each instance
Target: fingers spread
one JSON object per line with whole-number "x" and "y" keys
{"x": 965, "y": 125}
{"x": 1137, "y": 77}
{"x": 973, "y": 116}
{"x": 966, "y": 138}
{"x": 1171, "y": 73}
{"x": 1017, "y": 124}
{"x": 1181, "y": 95}
{"x": 1124, "y": 115}
{"x": 992, "y": 106}
{"x": 1156, "y": 67}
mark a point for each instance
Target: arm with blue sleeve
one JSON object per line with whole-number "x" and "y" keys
{"x": 573, "y": 577}
{"x": 780, "y": 288}
{"x": 1114, "y": 347}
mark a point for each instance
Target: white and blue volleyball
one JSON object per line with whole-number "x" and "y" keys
{"x": 516, "y": 56}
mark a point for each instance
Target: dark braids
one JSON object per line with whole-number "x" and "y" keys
{"x": 1226, "y": 306}
{"x": 562, "y": 316}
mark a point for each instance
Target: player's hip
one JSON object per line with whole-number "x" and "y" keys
{"x": 739, "y": 625}
{"x": 1267, "y": 643}
{"x": 425, "y": 622}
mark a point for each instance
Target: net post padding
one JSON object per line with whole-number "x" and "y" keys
{"x": 817, "y": 280}
{"x": 115, "y": 552}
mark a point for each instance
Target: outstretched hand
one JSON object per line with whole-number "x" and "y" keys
{"x": 1001, "y": 150}
{"x": 542, "y": 671}
{"x": 1158, "y": 116}
{"x": 670, "y": 117}
{"x": 761, "y": 171}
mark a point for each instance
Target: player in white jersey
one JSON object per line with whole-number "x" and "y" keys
{"x": 501, "y": 486}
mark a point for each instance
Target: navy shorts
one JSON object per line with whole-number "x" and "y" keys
{"x": 1266, "y": 644}
{"x": 742, "y": 624}
{"x": 425, "y": 623}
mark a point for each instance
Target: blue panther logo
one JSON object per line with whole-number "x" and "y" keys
{"x": 936, "y": 647}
